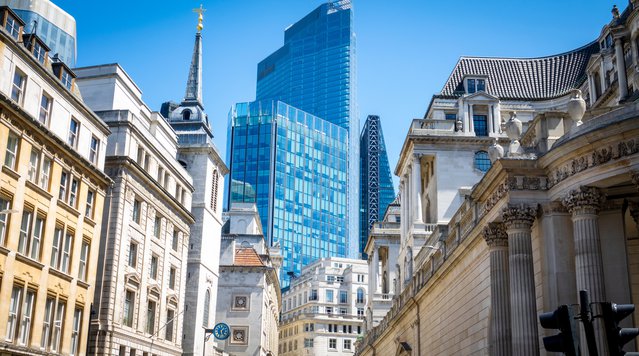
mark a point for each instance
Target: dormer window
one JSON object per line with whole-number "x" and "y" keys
{"x": 11, "y": 23}
{"x": 66, "y": 79}
{"x": 63, "y": 72}
{"x": 186, "y": 114}
{"x": 36, "y": 46}
{"x": 474, "y": 85}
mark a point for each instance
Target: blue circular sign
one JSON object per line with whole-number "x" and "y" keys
{"x": 221, "y": 331}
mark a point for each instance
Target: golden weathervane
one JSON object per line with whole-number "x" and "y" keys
{"x": 200, "y": 11}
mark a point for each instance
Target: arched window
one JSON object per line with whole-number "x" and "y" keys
{"x": 207, "y": 303}
{"x": 360, "y": 295}
{"x": 482, "y": 162}
{"x": 186, "y": 114}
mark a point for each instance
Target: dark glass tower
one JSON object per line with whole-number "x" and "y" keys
{"x": 377, "y": 190}
{"x": 293, "y": 165}
{"x": 314, "y": 71}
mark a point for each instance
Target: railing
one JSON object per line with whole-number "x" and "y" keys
{"x": 381, "y": 296}
{"x": 433, "y": 125}
{"x": 386, "y": 225}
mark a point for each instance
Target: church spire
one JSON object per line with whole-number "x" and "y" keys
{"x": 194, "y": 82}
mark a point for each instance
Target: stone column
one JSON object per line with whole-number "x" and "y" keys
{"x": 591, "y": 88}
{"x": 499, "y": 329}
{"x": 471, "y": 123}
{"x": 584, "y": 205}
{"x": 376, "y": 276}
{"x": 490, "y": 120}
{"x": 464, "y": 113}
{"x": 417, "y": 190}
{"x": 621, "y": 69}
{"x": 518, "y": 220}
{"x": 497, "y": 116}
{"x": 402, "y": 206}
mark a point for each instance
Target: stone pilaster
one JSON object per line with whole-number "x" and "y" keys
{"x": 634, "y": 211}
{"x": 622, "y": 80}
{"x": 584, "y": 205}
{"x": 634, "y": 176}
{"x": 519, "y": 220}
{"x": 417, "y": 189}
{"x": 500, "y": 335}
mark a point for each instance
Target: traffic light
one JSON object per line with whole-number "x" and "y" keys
{"x": 616, "y": 336}
{"x": 567, "y": 341}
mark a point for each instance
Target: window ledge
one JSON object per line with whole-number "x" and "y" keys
{"x": 10, "y": 172}
{"x": 39, "y": 190}
{"x": 29, "y": 261}
{"x": 89, "y": 221}
{"x": 60, "y": 274}
{"x": 68, "y": 208}
{"x": 83, "y": 284}
{"x": 5, "y": 251}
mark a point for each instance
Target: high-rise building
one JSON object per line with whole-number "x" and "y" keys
{"x": 312, "y": 73}
{"x": 52, "y": 190}
{"x": 199, "y": 155}
{"x": 52, "y": 24}
{"x": 376, "y": 184}
{"x": 293, "y": 165}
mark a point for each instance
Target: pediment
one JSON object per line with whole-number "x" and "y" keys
{"x": 481, "y": 96}
{"x": 403, "y": 349}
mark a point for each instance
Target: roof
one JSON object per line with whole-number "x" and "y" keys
{"x": 247, "y": 257}
{"x": 523, "y": 78}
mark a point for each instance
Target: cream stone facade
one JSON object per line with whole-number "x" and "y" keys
{"x": 323, "y": 308}
{"x": 141, "y": 281}
{"x": 554, "y": 213}
{"x": 249, "y": 299}
{"x": 52, "y": 190}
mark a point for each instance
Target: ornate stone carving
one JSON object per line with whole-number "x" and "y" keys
{"x": 576, "y": 107}
{"x": 601, "y": 156}
{"x": 514, "y": 129}
{"x": 634, "y": 211}
{"x": 554, "y": 207}
{"x": 584, "y": 200}
{"x": 519, "y": 216}
{"x": 495, "y": 151}
{"x": 498, "y": 194}
{"x": 634, "y": 176}
{"x": 495, "y": 234}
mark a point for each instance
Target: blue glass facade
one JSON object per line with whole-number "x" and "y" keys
{"x": 377, "y": 190}
{"x": 315, "y": 71}
{"x": 293, "y": 165}
{"x": 59, "y": 41}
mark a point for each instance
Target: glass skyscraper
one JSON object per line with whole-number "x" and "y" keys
{"x": 293, "y": 165}
{"x": 315, "y": 71}
{"x": 377, "y": 190}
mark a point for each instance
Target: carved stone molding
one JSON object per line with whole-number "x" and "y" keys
{"x": 585, "y": 200}
{"x": 633, "y": 207}
{"x": 495, "y": 235}
{"x": 594, "y": 158}
{"x": 519, "y": 216}
{"x": 554, "y": 207}
{"x": 634, "y": 176}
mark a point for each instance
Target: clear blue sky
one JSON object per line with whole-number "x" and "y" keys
{"x": 405, "y": 48}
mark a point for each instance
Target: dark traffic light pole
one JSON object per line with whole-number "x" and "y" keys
{"x": 585, "y": 318}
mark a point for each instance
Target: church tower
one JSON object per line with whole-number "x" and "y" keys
{"x": 198, "y": 154}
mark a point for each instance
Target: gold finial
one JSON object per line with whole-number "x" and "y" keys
{"x": 200, "y": 11}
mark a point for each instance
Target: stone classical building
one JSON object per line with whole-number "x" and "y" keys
{"x": 141, "y": 280}
{"x": 248, "y": 296}
{"x": 199, "y": 156}
{"x": 323, "y": 309}
{"x": 555, "y": 214}
{"x": 52, "y": 190}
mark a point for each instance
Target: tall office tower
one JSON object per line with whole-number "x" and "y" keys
{"x": 198, "y": 154}
{"x": 293, "y": 166}
{"x": 376, "y": 187}
{"x": 315, "y": 71}
{"x": 52, "y": 24}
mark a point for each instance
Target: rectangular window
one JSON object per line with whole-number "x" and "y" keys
{"x": 360, "y": 312}
{"x": 84, "y": 256}
{"x": 27, "y": 314}
{"x": 172, "y": 275}
{"x": 347, "y": 344}
{"x": 30, "y": 235}
{"x": 66, "y": 252}
{"x": 481, "y": 85}
{"x": 343, "y": 297}
{"x": 129, "y": 300}
{"x": 14, "y": 306}
{"x": 329, "y": 310}
{"x": 160, "y": 175}
{"x": 174, "y": 242}
{"x": 45, "y": 169}
{"x": 57, "y": 326}
{"x": 329, "y": 295}
{"x": 57, "y": 247}
{"x": 49, "y": 308}
{"x": 39, "y": 52}
{"x": 73, "y": 192}
{"x": 12, "y": 151}
{"x": 154, "y": 267}
{"x": 34, "y": 160}
{"x": 45, "y": 108}
{"x": 332, "y": 343}
{"x": 64, "y": 181}
{"x": 340, "y": 279}
{"x": 451, "y": 116}
{"x": 470, "y": 86}
{"x": 75, "y": 332}
{"x": 150, "y": 318}
{"x": 36, "y": 238}
{"x": 330, "y": 279}
{"x": 74, "y": 127}
{"x": 5, "y": 207}
{"x": 94, "y": 150}
{"x": 133, "y": 254}
{"x": 88, "y": 211}
{"x": 170, "y": 315}
{"x": 66, "y": 79}
{"x": 17, "y": 89}
{"x": 147, "y": 161}
{"x": 343, "y": 311}
{"x": 12, "y": 26}
{"x": 157, "y": 227}
{"x": 25, "y": 229}
{"x": 308, "y": 342}
{"x": 137, "y": 207}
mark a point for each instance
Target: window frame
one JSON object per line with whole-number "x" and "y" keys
{"x": 44, "y": 114}
{"x": 73, "y": 132}
{"x": 76, "y": 326}
{"x": 94, "y": 150}
{"x": 18, "y": 90}
{"x": 128, "y": 308}
{"x": 5, "y": 205}
{"x": 12, "y": 151}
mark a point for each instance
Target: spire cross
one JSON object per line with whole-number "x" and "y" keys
{"x": 200, "y": 11}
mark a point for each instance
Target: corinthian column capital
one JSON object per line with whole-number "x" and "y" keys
{"x": 519, "y": 216}
{"x": 495, "y": 235}
{"x": 634, "y": 176}
{"x": 585, "y": 200}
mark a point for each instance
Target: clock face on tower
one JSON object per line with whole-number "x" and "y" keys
{"x": 221, "y": 331}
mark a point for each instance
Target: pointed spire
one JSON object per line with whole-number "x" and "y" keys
{"x": 194, "y": 83}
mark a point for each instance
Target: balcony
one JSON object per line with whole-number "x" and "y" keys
{"x": 433, "y": 127}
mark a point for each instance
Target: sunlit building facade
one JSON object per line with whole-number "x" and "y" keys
{"x": 315, "y": 71}
{"x": 293, "y": 165}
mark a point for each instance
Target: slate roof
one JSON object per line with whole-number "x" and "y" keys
{"x": 523, "y": 78}
{"x": 247, "y": 257}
